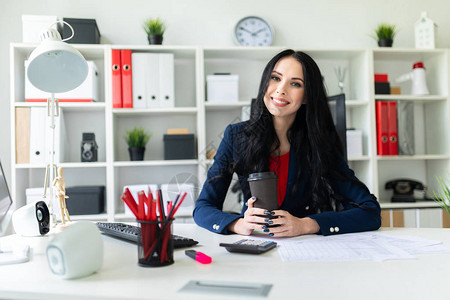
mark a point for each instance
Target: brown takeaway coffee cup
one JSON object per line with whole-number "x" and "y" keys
{"x": 263, "y": 186}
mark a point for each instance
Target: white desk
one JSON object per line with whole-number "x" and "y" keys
{"x": 121, "y": 278}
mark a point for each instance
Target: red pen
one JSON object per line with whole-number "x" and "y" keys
{"x": 198, "y": 256}
{"x": 177, "y": 205}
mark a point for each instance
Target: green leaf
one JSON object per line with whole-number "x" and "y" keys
{"x": 154, "y": 26}
{"x": 385, "y": 31}
{"x": 443, "y": 196}
{"x": 137, "y": 137}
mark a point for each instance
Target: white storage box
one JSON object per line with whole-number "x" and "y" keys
{"x": 222, "y": 88}
{"x": 354, "y": 143}
{"x": 86, "y": 92}
{"x": 33, "y": 25}
{"x": 135, "y": 189}
{"x": 170, "y": 192}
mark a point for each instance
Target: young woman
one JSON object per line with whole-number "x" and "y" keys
{"x": 290, "y": 132}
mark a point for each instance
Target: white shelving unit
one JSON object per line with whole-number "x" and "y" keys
{"x": 208, "y": 120}
{"x": 186, "y": 114}
{"x": 78, "y": 118}
{"x": 431, "y": 118}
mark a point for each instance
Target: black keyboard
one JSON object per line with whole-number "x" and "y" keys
{"x": 130, "y": 233}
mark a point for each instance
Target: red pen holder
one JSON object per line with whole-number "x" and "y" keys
{"x": 155, "y": 245}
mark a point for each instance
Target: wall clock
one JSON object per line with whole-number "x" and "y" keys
{"x": 253, "y": 31}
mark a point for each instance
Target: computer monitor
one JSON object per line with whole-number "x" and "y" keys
{"x": 337, "y": 108}
{"x": 5, "y": 202}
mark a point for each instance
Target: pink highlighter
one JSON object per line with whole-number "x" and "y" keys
{"x": 198, "y": 256}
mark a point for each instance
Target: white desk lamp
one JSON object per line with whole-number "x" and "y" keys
{"x": 55, "y": 67}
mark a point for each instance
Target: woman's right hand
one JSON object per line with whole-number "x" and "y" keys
{"x": 252, "y": 219}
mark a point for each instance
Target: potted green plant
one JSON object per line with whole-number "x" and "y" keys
{"x": 155, "y": 29}
{"x": 384, "y": 34}
{"x": 443, "y": 197}
{"x": 136, "y": 139}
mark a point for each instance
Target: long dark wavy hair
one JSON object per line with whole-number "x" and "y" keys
{"x": 312, "y": 136}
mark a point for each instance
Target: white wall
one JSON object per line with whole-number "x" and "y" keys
{"x": 297, "y": 23}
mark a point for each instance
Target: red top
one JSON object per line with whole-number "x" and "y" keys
{"x": 280, "y": 165}
{"x": 418, "y": 65}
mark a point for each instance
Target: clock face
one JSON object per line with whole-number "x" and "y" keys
{"x": 253, "y": 31}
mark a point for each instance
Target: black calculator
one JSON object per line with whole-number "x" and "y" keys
{"x": 249, "y": 246}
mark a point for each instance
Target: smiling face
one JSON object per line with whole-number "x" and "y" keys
{"x": 286, "y": 89}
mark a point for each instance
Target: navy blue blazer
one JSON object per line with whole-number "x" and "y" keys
{"x": 208, "y": 207}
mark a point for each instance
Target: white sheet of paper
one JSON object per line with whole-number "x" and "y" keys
{"x": 358, "y": 246}
{"x": 14, "y": 255}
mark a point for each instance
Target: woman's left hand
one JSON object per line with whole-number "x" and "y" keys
{"x": 291, "y": 226}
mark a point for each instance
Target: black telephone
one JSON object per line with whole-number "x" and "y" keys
{"x": 404, "y": 189}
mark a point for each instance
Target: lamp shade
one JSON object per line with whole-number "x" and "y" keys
{"x": 55, "y": 66}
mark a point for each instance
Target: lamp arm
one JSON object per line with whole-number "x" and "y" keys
{"x": 71, "y": 28}
{"x": 50, "y": 170}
